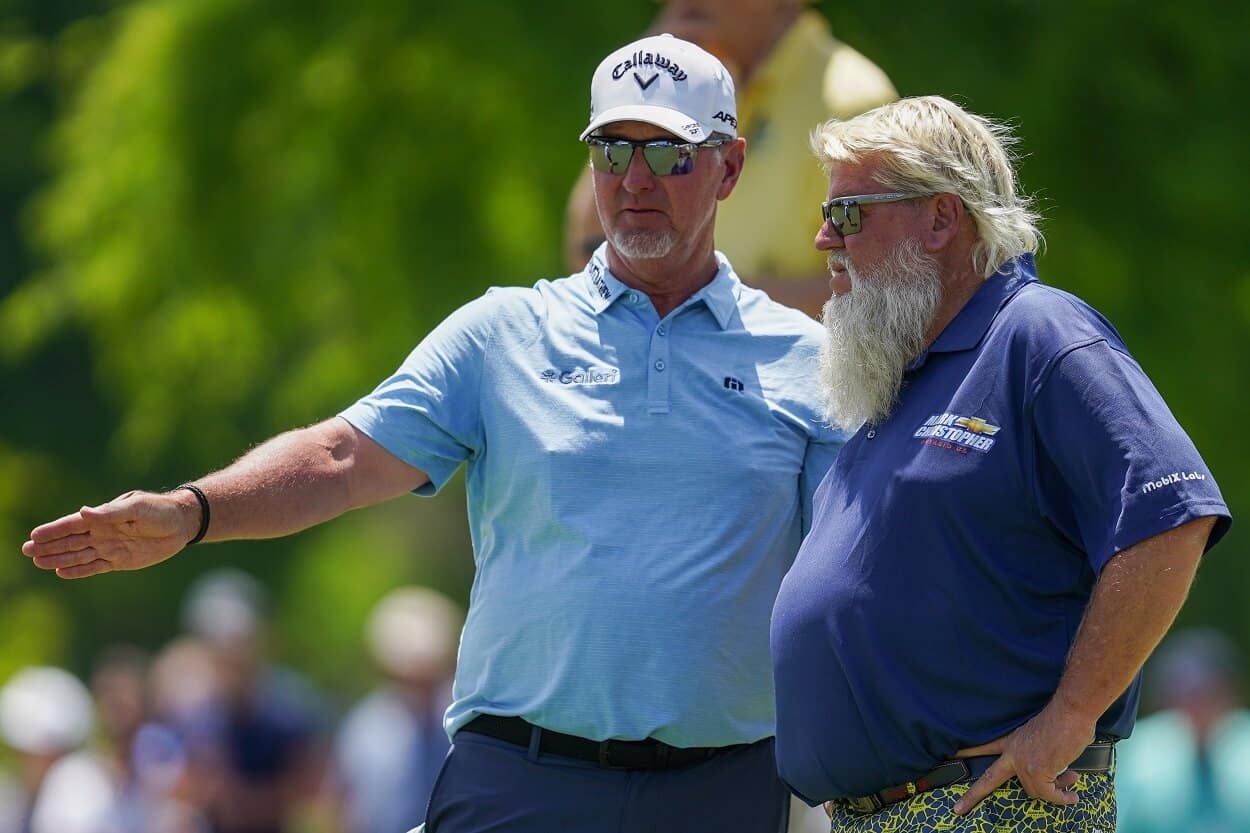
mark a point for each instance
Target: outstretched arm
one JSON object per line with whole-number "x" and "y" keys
{"x": 289, "y": 483}
{"x": 1135, "y": 599}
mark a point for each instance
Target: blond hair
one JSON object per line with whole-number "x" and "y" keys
{"x": 930, "y": 145}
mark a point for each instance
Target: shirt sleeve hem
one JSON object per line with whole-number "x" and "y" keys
{"x": 439, "y": 470}
{"x": 1169, "y": 519}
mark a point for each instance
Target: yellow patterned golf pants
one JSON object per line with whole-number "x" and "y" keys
{"x": 1009, "y": 809}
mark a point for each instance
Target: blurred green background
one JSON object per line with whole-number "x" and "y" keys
{"x": 223, "y": 218}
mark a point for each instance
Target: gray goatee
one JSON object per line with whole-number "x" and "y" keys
{"x": 643, "y": 245}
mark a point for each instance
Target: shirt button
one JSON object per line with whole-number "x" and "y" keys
{"x": 633, "y": 297}
{"x": 660, "y": 365}
{"x": 661, "y": 330}
{"x": 872, "y": 432}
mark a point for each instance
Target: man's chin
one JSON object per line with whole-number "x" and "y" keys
{"x": 644, "y": 245}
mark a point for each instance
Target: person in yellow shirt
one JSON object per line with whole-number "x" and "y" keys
{"x": 791, "y": 74}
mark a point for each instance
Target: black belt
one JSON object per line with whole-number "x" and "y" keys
{"x": 1097, "y": 757}
{"x": 609, "y": 754}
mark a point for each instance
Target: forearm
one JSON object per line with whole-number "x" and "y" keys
{"x": 287, "y": 484}
{"x": 1134, "y": 602}
{"x": 296, "y": 480}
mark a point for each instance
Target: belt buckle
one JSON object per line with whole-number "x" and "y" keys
{"x": 605, "y": 756}
{"x": 865, "y": 804}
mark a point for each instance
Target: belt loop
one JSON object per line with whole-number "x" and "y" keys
{"x": 536, "y": 739}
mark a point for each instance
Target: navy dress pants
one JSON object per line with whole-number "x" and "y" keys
{"x": 491, "y": 786}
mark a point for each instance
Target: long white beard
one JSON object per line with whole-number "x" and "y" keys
{"x": 874, "y": 330}
{"x": 643, "y": 245}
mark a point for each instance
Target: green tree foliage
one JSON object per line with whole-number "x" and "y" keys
{"x": 257, "y": 203}
{"x": 244, "y": 214}
{"x": 34, "y": 72}
{"x": 256, "y": 210}
{"x": 1134, "y": 142}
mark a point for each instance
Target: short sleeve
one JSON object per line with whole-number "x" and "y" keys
{"x": 1113, "y": 465}
{"x": 428, "y": 413}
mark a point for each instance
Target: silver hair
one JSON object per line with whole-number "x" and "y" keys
{"x": 931, "y": 145}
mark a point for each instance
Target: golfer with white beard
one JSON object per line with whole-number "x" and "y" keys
{"x": 1011, "y": 529}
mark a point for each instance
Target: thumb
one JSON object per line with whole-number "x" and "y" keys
{"x": 98, "y": 513}
{"x": 121, "y": 507}
{"x": 121, "y": 500}
{"x": 994, "y": 747}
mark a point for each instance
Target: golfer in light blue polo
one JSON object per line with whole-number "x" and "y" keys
{"x": 642, "y": 442}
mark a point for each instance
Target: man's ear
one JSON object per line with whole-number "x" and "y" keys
{"x": 733, "y": 156}
{"x": 944, "y": 216}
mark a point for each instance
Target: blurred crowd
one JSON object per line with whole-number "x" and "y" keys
{"x": 210, "y": 735}
{"x": 1186, "y": 767}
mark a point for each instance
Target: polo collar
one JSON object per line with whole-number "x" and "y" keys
{"x": 968, "y": 327}
{"x": 720, "y": 295}
{"x": 601, "y": 286}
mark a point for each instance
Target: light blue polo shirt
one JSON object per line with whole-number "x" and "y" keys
{"x": 637, "y": 488}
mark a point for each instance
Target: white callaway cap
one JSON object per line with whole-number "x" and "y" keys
{"x": 665, "y": 81}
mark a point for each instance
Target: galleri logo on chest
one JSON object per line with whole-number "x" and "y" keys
{"x": 957, "y": 433}
{"x": 594, "y": 375}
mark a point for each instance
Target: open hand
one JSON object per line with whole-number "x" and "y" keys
{"x": 130, "y": 532}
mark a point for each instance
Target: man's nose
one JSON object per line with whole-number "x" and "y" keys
{"x": 828, "y": 237}
{"x": 638, "y": 176}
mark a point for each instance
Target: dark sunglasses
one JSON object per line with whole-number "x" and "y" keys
{"x": 843, "y": 212}
{"x": 664, "y": 156}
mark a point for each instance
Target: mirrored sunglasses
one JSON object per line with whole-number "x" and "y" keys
{"x": 843, "y": 212}
{"x": 663, "y": 156}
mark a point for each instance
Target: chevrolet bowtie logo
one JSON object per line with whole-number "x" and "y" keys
{"x": 977, "y": 425}
{"x": 648, "y": 82}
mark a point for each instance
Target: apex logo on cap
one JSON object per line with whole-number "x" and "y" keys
{"x": 648, "y": 59}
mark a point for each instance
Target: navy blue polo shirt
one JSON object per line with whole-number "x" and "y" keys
{"x": 954, "y": 545}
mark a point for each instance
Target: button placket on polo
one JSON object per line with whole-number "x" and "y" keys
{"x": 659, "y": 369}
